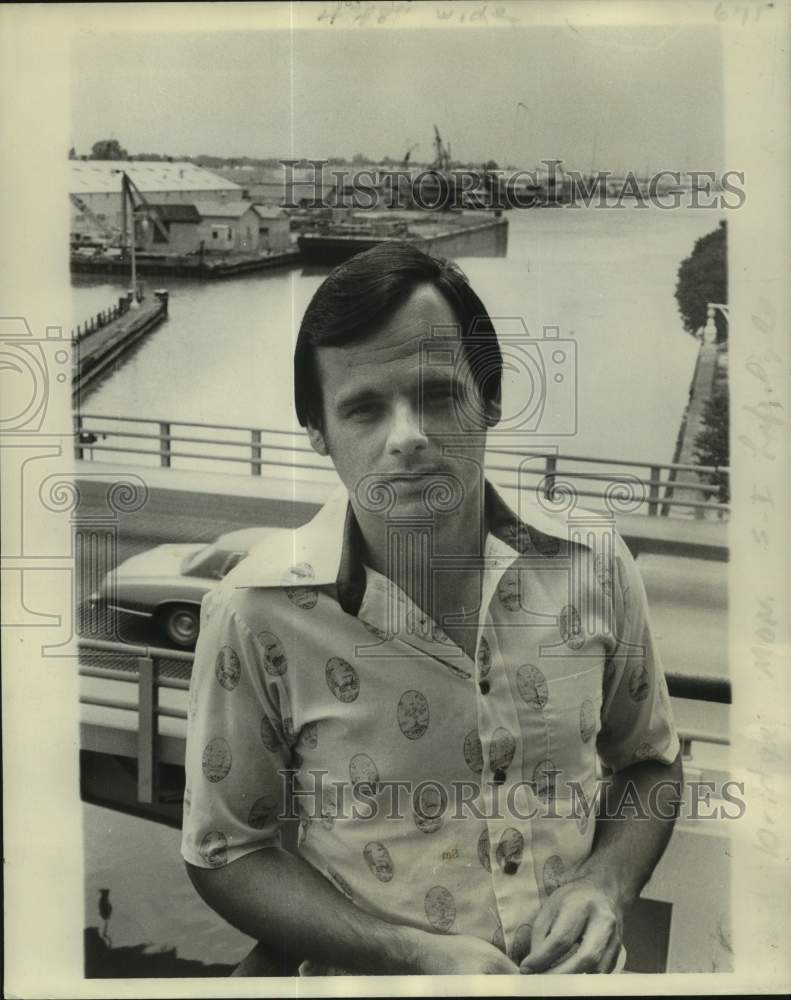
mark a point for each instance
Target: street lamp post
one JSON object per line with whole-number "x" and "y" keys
{"x": 134, "y": 304}
{"x": 710, "y": 329}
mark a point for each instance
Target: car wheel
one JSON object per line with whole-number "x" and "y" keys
{"x": 181, "y": 623}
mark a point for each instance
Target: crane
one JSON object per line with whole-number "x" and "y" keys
{"x": 101, "y": 226}
{"x": 442, "y": 157}
{"x": 405, "y": 161}
{"x": 137, "y": 200}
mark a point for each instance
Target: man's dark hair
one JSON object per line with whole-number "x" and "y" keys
{"x": 358, "y": 296}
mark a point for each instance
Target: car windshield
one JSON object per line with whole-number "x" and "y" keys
{"x": 208, "y": 562}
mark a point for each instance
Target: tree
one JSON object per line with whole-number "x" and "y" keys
{"x": 711, "y": 444}
{"x": 108, "y": 149}
{"x": 703, "y": 278}
{"x": 72, "y": 153}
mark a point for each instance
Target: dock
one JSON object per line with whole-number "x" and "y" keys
{"x": 100, "y": 341}
{"x": 187, "y": 265}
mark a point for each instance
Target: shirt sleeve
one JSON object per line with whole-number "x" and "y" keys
{"x": 637, "y": 719}
{"x": 237, "y": 753}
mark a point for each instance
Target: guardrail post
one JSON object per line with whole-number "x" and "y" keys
{"x": 164, "y": 444}
{"x": 255, "y": 437}
{"x": 653, "y": 491}
{"x": 77, "y": 429}
{"x": 146, "y": 731}
{"x": 550, "y": 468}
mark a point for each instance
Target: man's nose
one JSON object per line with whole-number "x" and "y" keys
{"x": 406, "y": 435}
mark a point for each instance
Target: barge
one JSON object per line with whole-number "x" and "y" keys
{"x": 450, "y": 234}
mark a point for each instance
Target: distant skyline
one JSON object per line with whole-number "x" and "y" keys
{"x": 613, "y": 98}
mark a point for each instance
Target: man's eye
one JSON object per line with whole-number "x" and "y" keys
{"x": 437, "y": 396}
{"x": 362, "y": 410}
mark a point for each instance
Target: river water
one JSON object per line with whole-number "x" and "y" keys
{"x": 604, "y": 278}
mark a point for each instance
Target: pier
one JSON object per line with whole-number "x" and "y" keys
{"x": 101, "y": 340}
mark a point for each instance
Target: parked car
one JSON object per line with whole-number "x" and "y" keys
{"x": 165, "y": 585}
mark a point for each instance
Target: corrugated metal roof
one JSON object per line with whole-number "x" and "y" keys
{"x": 223, "y": 209}
{"x": 170, "y": 212}
{"x": 104, "y": 176}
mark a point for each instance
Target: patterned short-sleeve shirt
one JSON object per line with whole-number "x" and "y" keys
{"x": 434, "y": 790}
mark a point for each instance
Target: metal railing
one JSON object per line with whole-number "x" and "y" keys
{"x": 652, "y": 486}
{"x": 102, "y": 319}
{"x": 145, "y": 673}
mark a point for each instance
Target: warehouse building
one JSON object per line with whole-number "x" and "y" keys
{"x": 95, "y": 187}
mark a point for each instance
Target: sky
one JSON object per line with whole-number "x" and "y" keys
{"x": 641, "y": 98}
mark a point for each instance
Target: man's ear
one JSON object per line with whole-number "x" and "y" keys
{"x": 317, "y": 442}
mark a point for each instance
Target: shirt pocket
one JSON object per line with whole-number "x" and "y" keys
{"x": 572, "y": 717}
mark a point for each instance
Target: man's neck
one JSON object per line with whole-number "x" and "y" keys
{"x": 411, "y": 552}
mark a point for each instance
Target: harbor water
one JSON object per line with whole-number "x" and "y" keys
{"x": 604, "y": 279}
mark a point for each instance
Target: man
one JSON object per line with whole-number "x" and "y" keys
{"x": 442, "y": 674}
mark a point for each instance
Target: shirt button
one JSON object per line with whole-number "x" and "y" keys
{"x": 484, "y": 686}
{"x": 510, "y": 868}
{"x": 499, "y": 776}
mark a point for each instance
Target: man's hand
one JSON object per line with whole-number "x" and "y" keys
{"x": 578, "y": 929}
{"x": 580, "y": 926}
{"x": 461, "y": 955}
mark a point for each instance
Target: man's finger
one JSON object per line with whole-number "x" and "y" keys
{"x": 611, "y": 955}
{"x": 597, "y": 940}
{"x": 565, "y": 932}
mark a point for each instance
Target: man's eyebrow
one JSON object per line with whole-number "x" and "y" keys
{"x": 355, "y": 396}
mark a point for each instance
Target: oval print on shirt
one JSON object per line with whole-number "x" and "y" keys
{"x": 440, "y": 908}
{"x": 227, "y": 668}
{"x": 413, "y": 714}
{"x": 342, "y": 679}
{"x": 378, "y": 859}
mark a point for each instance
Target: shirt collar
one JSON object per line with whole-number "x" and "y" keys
{"x": 328, "y": 550}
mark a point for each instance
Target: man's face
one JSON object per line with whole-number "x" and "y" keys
{"x": 389, "y": 412}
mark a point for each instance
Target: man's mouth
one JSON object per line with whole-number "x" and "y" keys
{"x": 414, "y": 482}
{"x": 413, "y": 475}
